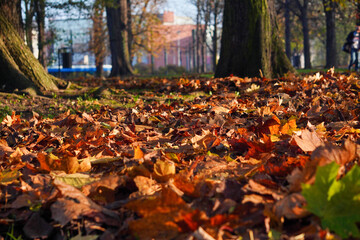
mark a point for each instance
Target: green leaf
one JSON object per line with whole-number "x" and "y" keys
{"x": 76, "y": 180}
{"x": 88, "y": 237}
{"x": 337, "y": 203}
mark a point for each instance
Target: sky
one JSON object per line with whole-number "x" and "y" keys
{"x": 181, "y": 8}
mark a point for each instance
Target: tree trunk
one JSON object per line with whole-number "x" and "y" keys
{"x": 331, "y": 58}
{"x": 117, "y": 20}
{"x": 12, "y": 10}
{"x": 129, "y": 30}
{"x": 287, "y": 29}
{"x": 214, "y": 37}
{"x": 305, "y": 27}
{"x": 40, "y": 20}
{"x": 18, "y": 66}
{"x": 250, "y": 41}
{"x": 29, "y": 14}
{"x": 198, "y": 50}
{"x": 98, "y": 37}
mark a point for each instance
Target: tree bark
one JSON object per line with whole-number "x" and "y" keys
{"x": 214, "y": 37}
{"x": 40, "y": 20}
{"x": 305, "y": 28}
{"x": 117, "y": 20}
{"x": 12, "y": 10}
{"x": 18, "y": 66}
{"x": 198, "y": 51}
{"x": 250, "y": 41}
{"x": 331, "y": 58}
{"x": 29, "y": 14}
{"x": 287, "y": 29}
{"x": 98, "y": 37}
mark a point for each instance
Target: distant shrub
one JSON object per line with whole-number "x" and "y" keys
{"x": 171, "y": 70}
{"x": 142, "y": 69}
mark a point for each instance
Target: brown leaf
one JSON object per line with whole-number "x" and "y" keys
{"x": 146, "y": 185}
{"x": 37, "y": 227}
{"x": 69, "y": 165}
{"x": 110, "y": 182}
{"x": 74, "y": 205}
{"x": 308, "y": 141}
{"x": 291, "y": 207}
{"x": 85, "y": 165}
{"x": 43, "y": 163}
{"x": 167, "y": 201}
{"x": 164, "y": 168}
{"x": 332, "y": 153}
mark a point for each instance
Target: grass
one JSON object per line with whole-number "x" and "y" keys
{"x": 315, "y": 70}
{"x": 4, "y": 111}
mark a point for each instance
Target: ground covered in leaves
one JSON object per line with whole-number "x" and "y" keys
{"x": 183, "y": 158}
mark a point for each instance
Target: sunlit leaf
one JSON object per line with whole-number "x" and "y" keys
{"x": 336, "y": 202}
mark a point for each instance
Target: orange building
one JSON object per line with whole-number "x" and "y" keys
{"x": 179, "y": 41}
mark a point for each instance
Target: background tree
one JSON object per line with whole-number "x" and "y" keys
{"x": 29, "y": 15}
{"x": 217, "y": 10}
{"x": 301, "y": 10}
{"x": 148, "y": 33}
{"x": 40, "y": 22}
{"x": 99, "y": 36}
{"x": 250, "y": 42}
{"x": 287, "y": 29}
{"x": 118, "y": 24}
{"x": 331, "y": 56}
{"x": 208, "y": 18}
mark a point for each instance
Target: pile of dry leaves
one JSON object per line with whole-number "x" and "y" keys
{"x": 222, "y": 165}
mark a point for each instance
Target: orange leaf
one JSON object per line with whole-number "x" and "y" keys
{"x": 43, "y": 163}
{"x": 138, "y": 153}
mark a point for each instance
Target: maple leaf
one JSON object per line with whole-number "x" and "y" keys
{"x": 308, "y": 141}
{"x": 74, "y": 205}
{"x": 336, "y": 202}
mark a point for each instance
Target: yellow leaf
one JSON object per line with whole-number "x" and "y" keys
{"x": 164, "y": 168}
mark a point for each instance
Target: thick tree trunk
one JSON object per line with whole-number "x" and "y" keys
{"x": 40, "y": 20}
{"x": 12, "y": 10}
{"x": 18, "y": 66}
{"x": 250, "y": 41}
{"x": 331, "y": 58}
{"x": 117, "y": 20}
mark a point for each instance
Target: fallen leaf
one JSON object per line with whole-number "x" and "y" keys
{"x": 74, "y": 205}
{"x": 37, "y": 227}
{"x": 308, "y": 141}
{"x": 291, "y": 207}
{"x": 138, "y": 153}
